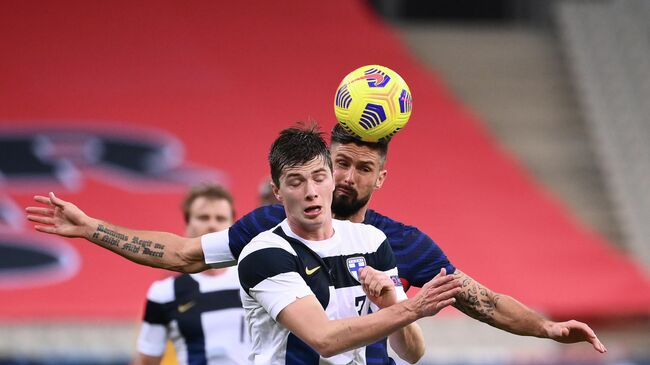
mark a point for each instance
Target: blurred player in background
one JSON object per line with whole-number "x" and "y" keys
{"x": 265, "y": 192}
{"x": 200, "y": 313}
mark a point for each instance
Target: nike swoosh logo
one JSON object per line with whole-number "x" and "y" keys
{"x": 311, "y": 271}
{"x": 182, "y": 308}
{"x": 379, "y": 78}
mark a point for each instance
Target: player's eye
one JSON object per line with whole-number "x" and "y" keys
{"x": 319, "y": 177}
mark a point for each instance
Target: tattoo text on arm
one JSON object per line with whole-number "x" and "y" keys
{"x": 134, "y": 245}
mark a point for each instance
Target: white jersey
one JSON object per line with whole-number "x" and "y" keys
{"x": 201, "y": 314}
{"x": 278, "y": 267}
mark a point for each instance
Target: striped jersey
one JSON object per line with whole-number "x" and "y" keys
{"x": 419, "y": 259}
{"x": 203, "y": 317}
{"x": 277, "y": 267}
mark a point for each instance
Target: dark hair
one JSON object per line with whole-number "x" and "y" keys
{"x": 296, "y": 146}
{"x": 340, "y": 135}
{"x": 209, "y": 191}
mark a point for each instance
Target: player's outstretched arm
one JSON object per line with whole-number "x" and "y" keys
{"x": 156, "y": 249}
{"x": 408, "y": 341}
{"x": 331, "y": 337}
{"x": 506, "y": 313}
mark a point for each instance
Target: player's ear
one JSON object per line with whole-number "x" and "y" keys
{"x": 276, "y": 191}
{"x": 380, "y": 180}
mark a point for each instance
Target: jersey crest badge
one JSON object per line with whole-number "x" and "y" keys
{"x": 355, "y": 264}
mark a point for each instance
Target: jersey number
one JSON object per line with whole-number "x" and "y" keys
{"x": 359, "y": 302}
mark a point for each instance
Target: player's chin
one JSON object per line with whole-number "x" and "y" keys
{"x": 342, "y": 200}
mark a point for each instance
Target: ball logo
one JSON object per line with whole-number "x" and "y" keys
{"x": 375, "y": 78}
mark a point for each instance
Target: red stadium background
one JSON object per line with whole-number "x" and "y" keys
{"x": 209, "y": 86}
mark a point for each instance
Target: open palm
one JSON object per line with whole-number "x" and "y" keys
{"x": 574, "y": 331}
{"x": 57, "y": 216}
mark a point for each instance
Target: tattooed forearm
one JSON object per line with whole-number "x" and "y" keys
{"x": 135, "y": 245}
{"x": 475, "y": 300}
{"x": 109, "y": 236}
{"x": 498, "y": 310}
{"x": 112, "y": 233}
{"x": 151, "y": 248}
{"x": 145, "y": 247}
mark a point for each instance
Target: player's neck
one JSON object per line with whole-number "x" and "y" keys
{"x": 319, "y": 233}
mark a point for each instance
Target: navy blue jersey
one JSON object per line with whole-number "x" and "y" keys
{"x": 419, "y": 259}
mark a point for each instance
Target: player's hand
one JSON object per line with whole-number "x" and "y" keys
{"x": 573, "y": 331}
{"x": 57, "y": 216}
{"x": 379, "y": 288}
{"x": 437, "y": 294}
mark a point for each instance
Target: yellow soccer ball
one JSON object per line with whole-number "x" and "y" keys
{"x": 373, "y": 103}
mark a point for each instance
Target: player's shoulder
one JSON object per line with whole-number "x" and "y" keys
{"x": 359, "y": 233}
{"x": 162, "y": 291}
{"x": 388, "y": 224}
{"x": 357, "y": 228}
{"x": 377, "y": 219}
{"x": 274, "y": 212}
{"x": 266, "y": 240}
{"x": 362, "y": 228}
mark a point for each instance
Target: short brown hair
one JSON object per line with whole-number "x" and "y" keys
{"x": 297, "y": 146}
{"x": 208, "y": 191}
{"x": 339, "y": 135}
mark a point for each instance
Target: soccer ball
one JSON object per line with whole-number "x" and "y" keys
{"x": 373, "y": 103}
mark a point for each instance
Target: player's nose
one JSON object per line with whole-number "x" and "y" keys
{"x": 213, "y": 226}
{"x": 311, "y": 191}
{"x": 349, "y": 176}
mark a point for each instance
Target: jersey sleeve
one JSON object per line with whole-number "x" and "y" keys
{"x": 153, "y": 334}
{"x": 269, "y": 275}
{"x": 152, "y": 339}
{"x": 386, "y": 262}
{"x": 222, "y": 249}
{"x": 216, "y": 249}
{"x": 421, "y": 258}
